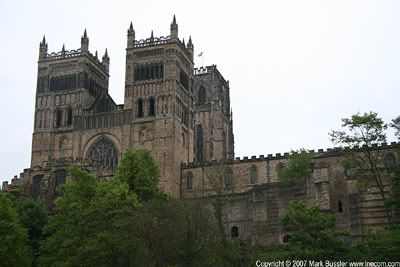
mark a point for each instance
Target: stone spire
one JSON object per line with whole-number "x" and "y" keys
{"x": 152, "y": 37}
{"x": 190, "y": 46}
{"x": 131, "y": 36}
{"x": 106, "y": 60}
{"x": 85, "y": 42}
{"x": 63, "y": 51}
{"x": 43, "y": 49}
{"x": 174, "y": 29}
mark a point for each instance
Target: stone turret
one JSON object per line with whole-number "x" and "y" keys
{"x": 85, "y": 42}
{"x": 174, "y": 29}
{"x": 190, "y": 46}
{"x": 131, "y": 37}
{"x": 63, "y": 51}
{"x": 43, "y": 49}
{"x": 106, "y": 61}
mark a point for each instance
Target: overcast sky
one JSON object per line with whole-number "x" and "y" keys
{"x": 295, "y": 67}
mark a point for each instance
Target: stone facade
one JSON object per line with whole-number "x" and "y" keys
{"x": 255, "y": 197}
{"x": 183, "y": 116}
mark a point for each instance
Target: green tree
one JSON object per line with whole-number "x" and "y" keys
{"x": 313, "y": 233}
{"x": 383, "y": 245}
{"x": 395, "y": 124}
{"x": 33, "y": 217}
{"x": 360, "y": 134}
{"x": 14, "y": 249}
{"x": 175, "y": 233}
{"x": 139, "y": 170}
{"x": 297, "y": 167}
{"x": 93, "y": 224}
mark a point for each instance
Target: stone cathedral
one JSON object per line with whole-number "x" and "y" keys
{"x": 183, "y": 116}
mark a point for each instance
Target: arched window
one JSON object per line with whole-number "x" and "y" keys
{"x": 199, "y": 144}
{"x": 69, "y": 116}
{"x": 104, "y": 153}
{"x": 189, "y": 181}
{"x": 58, "y": 117}
{"x": 286, "y": 239}
{"x": 390, "y": 161}
{"x": 339, "y": 206}
{"x": 202, "y": 95}
{"x": 253, "y": 174}
{"x": 228, "y": 177}
{"x": 234, "y": 231}
{"x": 60, "y": 176}
{"x": 140, "y": 108}
{"x": 152, "y": 107}
{"x": 60, "y": 179}
{"x": 36, "y": 181}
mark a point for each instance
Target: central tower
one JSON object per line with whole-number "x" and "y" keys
{"x": 158, "y": 88}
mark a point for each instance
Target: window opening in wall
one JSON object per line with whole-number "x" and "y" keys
{"x": 140, "y": 108}
{"x": 152, "y": 107}
{"x": 58, "y": 118}
{"x": 234, "y": 231}
{"x": 189, "y": 181}
{"x": 340, "y": 206}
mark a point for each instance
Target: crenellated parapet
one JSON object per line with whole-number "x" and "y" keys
{"x": 318, "y": 153}
{"x": 65, "y": 54}
{"x": 44, "y": 56}
{"x": 152, "y": 41}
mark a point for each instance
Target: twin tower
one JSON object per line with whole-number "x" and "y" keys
{"x": 179, "y": 113}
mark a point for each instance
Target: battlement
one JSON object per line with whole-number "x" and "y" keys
{"x": 152, "y": 41}
{"x": 17, "y": 181}
{"x": 209, "y": 69}
{"x": 319, "y": 153}
{"x": 74, "y": 53}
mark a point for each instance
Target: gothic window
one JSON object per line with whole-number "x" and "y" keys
{"x": 184, "y": 79}
{"x": 390, "y": 161}
{"x": 69, "y": 116}
{"x": 199, "y": 144}
{"x": 152, "y": 107}
{"x": 202, "y": 95}
{"x": 183, "y": 140}
{"x": 104, "y": 152}
{"x": 152, "y": 71}
{"x": 228, "y": 177}
{"x": 140, "y": 108}
{"x": 234, "y": 231}
{"x": 60, "y": 178}
{"x": 253, "y": 174}
{"x": 58, "y": 117}
{"x": 340, "y": 206}
{"x": 36, "y": 181}
{"x": 189, "y": 181}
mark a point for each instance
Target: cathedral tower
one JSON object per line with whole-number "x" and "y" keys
{"x": 68, "y": 84}
{"x": 158, "y": 89}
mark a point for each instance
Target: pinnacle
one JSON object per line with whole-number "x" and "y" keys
{"x": 174, "y": 20}
{"x": 152, "y": 35}
{"x": 85, "y": 34}
{"x": 44, "y": 39}
{"x": 63, "y": 48}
